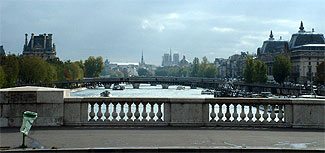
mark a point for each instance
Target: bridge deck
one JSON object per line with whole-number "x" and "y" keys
{"x": 90, "y": 137}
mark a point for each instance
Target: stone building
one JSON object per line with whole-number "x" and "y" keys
{"x": 307, "y": 51}
{"x": 236, "y": 65}
{"x": 2, "y": 51}
{"x": 270, "y": 49}
{"x": 40, "y": 45}
{"x": 221, "y": 65}
{"x": 184, "y": 62}
{"x": 175, "y": 59}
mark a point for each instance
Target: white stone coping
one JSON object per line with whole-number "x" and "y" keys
{"x": 32, "y": 88}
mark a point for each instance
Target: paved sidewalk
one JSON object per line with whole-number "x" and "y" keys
{"x": 97, "y": 137}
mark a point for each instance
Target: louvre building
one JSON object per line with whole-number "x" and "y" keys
{"x": 41, "y": 45}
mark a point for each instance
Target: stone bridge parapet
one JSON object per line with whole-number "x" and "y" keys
{"x": 56, "y": 108}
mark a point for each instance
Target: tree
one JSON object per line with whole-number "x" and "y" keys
{"x": 210, "y": 71}
{"x": 51, "y": 73}
{"x": 281, "y": 68}
{"x": 11, "y": 69}
{"x": 260, "y": 72}
{"x": 34, "y": 70}
{"x": 320, "y": 74}
{"x": 94, "y": 66}
{"x": 72, "y": 71}
{"x": 249, "y": 70}
{"x": 195, "y": 67}
{"x": 2, "y": 77}
{"x": 59, "y": 68}
{"x": 161, "y": 72}
{"x": 203, "y": 67}
{"x": 144, "y": 72}
{"x": 183, "y": 72}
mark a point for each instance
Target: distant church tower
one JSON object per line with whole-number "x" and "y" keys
{"x": 142, "y": 64}
{"x": 41, "y": 45}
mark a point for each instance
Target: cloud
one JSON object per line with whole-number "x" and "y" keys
{"x": 161, "y": 22}
{"x": 172, "y": 16}
{"x": 255, "y": 37}
{"x": 219, "y": 29}
{"x": 146, "y": 24}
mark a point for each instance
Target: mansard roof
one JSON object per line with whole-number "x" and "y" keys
{"x": 303, "y": 38}
{"x": 273, "y": 46}
{"x": 39, "y": 43}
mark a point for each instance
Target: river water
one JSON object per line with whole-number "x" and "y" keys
{"x": 145, "y": 90}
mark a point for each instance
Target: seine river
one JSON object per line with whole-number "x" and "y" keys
{"x": 145, "y": 91}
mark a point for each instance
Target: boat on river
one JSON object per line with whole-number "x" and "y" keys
{"x": 118, "y": 87}
{"x": 105, "y": 94}
{"x": 180, "y": 88}
{"x": 207, "y": 92}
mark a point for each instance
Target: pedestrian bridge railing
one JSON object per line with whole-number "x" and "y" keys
{"x": 252, "y": 112}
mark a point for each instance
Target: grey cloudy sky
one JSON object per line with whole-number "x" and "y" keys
{"x": 119, "y": 30}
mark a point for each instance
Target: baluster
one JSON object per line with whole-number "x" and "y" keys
{"x": 122, "y": 113}
{"x": 137, "y": 113}
{"x": 152, "y": 114}
{"x": 242, "y": 113}
{"x": 220, "y": 114}
{"x": 250, "y": 114}
{"x": 107, "y": 113}
{"x": 92, "y": 112}
{"x": 280, "y": 115}
{"x": 114, "y": 114}
{"x": 235, "y": 115}
{"x": 228, "y": 115}
{"x": 99, "y": 113}
{"x": 159, "y": 113}
{"x": 272, "y": 113}
{"x": 265, "y": 115}
{"x": 144, "y": 113}
{"x": 257, "y": 115}
{"x": 129, "y": 114}
{"x": 213, "y": 114}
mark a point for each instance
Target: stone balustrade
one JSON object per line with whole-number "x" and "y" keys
{"x": 56, "y": 108}
{"x": 249, "y": 112}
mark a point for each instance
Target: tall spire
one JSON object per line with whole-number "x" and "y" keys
{"x": 142, "y": 60}
{"x": 301, "y": 28}
{"x": 271, "y": 36}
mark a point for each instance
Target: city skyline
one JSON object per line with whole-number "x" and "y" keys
{"x": 115, "y": 29}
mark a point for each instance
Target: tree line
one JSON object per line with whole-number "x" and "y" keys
{"x": 256, "y": 71}
{"x": 15, "y": 70}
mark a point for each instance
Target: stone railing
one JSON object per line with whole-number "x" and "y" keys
{"x": 55, "y": 107}
{"x": 194, "y": 112}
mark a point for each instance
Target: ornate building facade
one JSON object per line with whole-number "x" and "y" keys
{"x": 270, "y": 49}
{"x": 40, "y": 45}
{"x": 307, "y": 51}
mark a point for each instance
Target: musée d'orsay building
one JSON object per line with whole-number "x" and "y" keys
{"x": 306, "y": 50}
